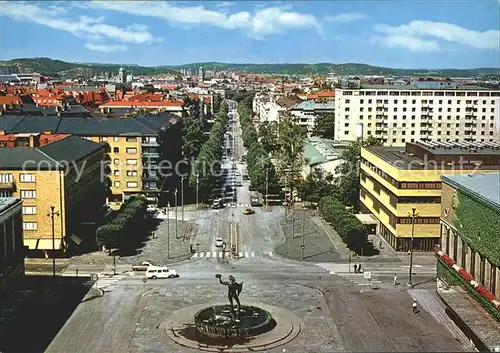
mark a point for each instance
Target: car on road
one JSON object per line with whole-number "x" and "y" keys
{"x": 217, "y": 204}
{"x": 248, "y": 211}
{"x": 246, "y": 177}
{"x": 239, "y": 184}
{"x": 154, "y": 272}
{"x": 143, "y": 266}
{"x": 219, "y": 243}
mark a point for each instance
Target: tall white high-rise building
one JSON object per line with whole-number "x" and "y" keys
{"x": 438, "y": 111}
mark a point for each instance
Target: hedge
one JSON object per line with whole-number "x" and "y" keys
{"x": 350, "y": 229}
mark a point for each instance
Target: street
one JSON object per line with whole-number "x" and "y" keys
{"x": 338, "y": 310}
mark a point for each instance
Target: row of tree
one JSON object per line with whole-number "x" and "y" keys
{"x": 350, "y": 229}
{"x": 125, "y": 230}
{"x": 259, "y": 163}
{"x": 207, "y": 167}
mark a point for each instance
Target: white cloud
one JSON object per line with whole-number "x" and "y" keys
{"x": 225, "y": 4}
{"x": 259, "y": 23}
{"x": 83, "y": 27}
{"x": 107, "y": 48}
{"x": 423, "y": 36}
{"x": 346, "y": 17}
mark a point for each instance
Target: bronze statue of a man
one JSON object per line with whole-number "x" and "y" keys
{"x": 233, "y": 290}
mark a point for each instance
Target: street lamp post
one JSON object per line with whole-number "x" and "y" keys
{"x": 51, "y": 214}
{"x": 267, "y": 185}
{"x": 182, "y": 198}
{"x": 175, "y": 193}
{"x": 168, "y": 230}
{"x": 413, "y": 215}
{"x": 197, "y": 187}
{"x": 303, "y": 234}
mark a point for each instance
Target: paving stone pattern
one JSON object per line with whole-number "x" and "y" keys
{"x": 318, "y": 247}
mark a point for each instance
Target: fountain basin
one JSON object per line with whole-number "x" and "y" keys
{"x": 219, "y": 322}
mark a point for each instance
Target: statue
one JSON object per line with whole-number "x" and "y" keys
{"x": 233, "y": 290}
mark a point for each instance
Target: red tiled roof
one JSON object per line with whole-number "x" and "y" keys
{"x": 324, "y": 94}
{"x": 10, "y": 99}
{"x": 129, "y": 104}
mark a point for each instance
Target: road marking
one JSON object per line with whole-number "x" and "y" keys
{"x": 220, "y": 254}
{"x": 246, "y": 254}
{"x": 240, "y": 254}
{"x": 201, "y": 254}
{"x": 214, "y": 254}
{"x": 253, "y": 254}
{"x": 195, "y": 254}
{"x": 271, "y": 253}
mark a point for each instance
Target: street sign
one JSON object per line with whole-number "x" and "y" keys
{"x": 367, "y": 275}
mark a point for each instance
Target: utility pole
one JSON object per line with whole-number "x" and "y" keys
{"x": 168, "y": 230}
{"x": 303, "y": 246}
{"x": 182, "y": 198}
{"x": 413, "y": 215}
{"x": 51, "y": 214}
{"x": 175, "y": 193}
{"x": 267, "y": 185}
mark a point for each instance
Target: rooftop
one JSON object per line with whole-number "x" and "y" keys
{"x": 7, "y": 202}
{"x": 485, "y": 186}
{"x": 459, "y": 148}
{"x": 312, "y": 105}
{"x": 318, "y": 150}
{"x": 418, "y": 87}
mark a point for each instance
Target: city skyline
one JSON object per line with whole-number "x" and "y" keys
{"x": 403, "y": 35}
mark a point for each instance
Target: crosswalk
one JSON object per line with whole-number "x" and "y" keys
{"x": 226, "y": 254}
{"x": 387, "y": 270}
{"x": 105, "y": 280}
{"x": 237, "y": 205}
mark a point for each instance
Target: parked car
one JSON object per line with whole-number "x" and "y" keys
{"x": 248, "y": 211}
{"x": 246, "y": 177}
{"x": 142, "y": 267}
{"x": 239, "y": 184}
{"x": 219, "y": 243}
{"x": 154, "y": 272}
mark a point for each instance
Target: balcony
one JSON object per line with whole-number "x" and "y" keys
{"x": 7, "y": 185}
{"x": 381, "y": 105}
{"x": 150, "y": 155}
{"x": 150, "y": 144}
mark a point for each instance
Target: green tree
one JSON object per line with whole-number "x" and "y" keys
{"x": 316, "y": 186}
{"x": 268, "y": 135}
{"x": 324, "y": 126}
{"x": 348, "y": 181}
{"x": 192, "y": 128}
{"x": 108, "y": 235}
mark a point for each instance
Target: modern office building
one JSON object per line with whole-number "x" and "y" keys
{"x": 65, "y": 174}
{"x": 136, "y": 147}
{"x": 394, "y": 180}
{"x": 437, "y": 111}
{"x": 12, "y": 250}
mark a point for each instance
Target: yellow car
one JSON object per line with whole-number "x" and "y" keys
{"x": 248, "y": 211}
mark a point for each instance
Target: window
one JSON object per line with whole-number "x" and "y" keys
{"x": 116, "y": 173}
{"x": 131, "y": 139}
{"x": 28, "y": 194}
{"x": 131, "y": 150}
{"x": 131, "y": 161}
{"x": 116, "y": 184}
{"x": 6, "y": 178}
{"x": 131, "y": 173}
{"x": 104, "y": 139}
{"x": 131, "y": 184}
{"x": 29, "y": 209}
{"x": 116, "y": 139}
{"x": 27, "y": 178}
{"x": 30, "y": 226}
{"x": 116, "y": 161}
{"x": 116, "y": 150}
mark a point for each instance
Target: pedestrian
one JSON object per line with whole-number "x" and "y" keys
{"x": 395, "y": 280}
{"x": 414, "y": 307}
{"x": 355, "y": 268}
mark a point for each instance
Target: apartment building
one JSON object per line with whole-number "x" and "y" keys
{"x": 470, "y": 224}
{"x": 12, "y": 250}
{"x": 136, "y": 147}
{"x": 395, "y": 180}
{"x": 437, "y": 111}
{"x": 171, "y": 106}
{"x": 307, "y": 112}
{"x": 65, "y": 174}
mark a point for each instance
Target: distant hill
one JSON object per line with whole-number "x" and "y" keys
{"x": 49, "y": 66}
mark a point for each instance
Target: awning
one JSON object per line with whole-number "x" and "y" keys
{"x": 42, "y": 243}
{"x": 367, "y": 219}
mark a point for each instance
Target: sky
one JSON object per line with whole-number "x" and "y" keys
{"x": 393, "y": 33}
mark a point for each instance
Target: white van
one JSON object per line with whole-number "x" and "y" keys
{"x": 154, "y": 272}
